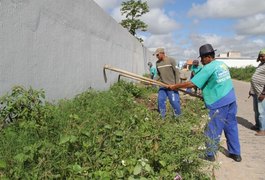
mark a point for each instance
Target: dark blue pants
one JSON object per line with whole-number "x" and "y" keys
{"x": 223, "y": 118}
{"x": 174, "y": 100}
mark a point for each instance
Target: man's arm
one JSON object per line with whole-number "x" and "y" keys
{"x": 188, "y": 84}
{"x": 176, "y": 71}
{"x": 262, "y": 95}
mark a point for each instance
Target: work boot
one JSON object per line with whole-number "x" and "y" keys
{"x": 260, "y": 133}
{"x": 235, "y": 157}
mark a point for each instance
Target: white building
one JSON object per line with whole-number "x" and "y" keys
{"x": 234, "y": 59}
{"x": 238, "y": 62}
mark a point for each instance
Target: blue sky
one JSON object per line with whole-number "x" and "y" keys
{"x": 182, "y": 26}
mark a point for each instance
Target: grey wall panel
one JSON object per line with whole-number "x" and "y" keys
{"x": 62, "y": 46}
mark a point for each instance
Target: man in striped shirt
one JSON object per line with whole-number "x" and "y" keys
{"x": 169, "y": 74}
{"x": 257, "y": 91}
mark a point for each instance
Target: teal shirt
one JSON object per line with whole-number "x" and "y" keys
{"x": 215, "y": 81}
{"x": 153, "y": 71}
{"x": 195, "y": 69}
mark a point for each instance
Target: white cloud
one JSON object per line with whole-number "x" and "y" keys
{"x": 155, "y": 41}
{"x": 195, "y": 21}
{"x": 159, "y": 23}
{"x": 253, "y": 25}
{"x": 227, "y": 8}
{"x": 198, "y": 40}
{"x": 157, "y": 20}
{"x": 248, "y": 47}
{"x": 155, "y": 3}
{"x": 172, "y": 48}
{"x": 162, "y": 26}
{"x": 259, "y": 42}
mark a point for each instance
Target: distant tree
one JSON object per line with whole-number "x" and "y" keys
{"x": 133, "y": 11}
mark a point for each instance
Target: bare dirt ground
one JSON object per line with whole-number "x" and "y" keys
{"x": 252, "y": 166}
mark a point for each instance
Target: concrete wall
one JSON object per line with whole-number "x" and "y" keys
{"x": 62, "y": 46}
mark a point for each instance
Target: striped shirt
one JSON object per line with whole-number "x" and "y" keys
{"x": 258, "y": 79}
{"x": 167, "y": 71}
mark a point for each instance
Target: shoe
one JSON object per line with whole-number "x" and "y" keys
{"x": 235, "y": 157}
{"x": 254, "y": 128}
{"x": 260, "y": 133}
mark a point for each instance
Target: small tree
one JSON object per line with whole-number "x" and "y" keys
{"x": 133, "y": 10}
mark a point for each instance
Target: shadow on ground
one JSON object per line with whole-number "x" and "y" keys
{"x": 244, "y": 122}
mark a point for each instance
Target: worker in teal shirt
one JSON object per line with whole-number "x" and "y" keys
{"x": 195, "y": 68}
{"x": 152, "y": 69}
{"x": 219, "y": 97}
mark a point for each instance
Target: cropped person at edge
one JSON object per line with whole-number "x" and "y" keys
{"x": 219, "y": 96}
{"x": 257, "y": 90}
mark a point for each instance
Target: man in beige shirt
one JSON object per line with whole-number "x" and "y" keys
{"x": 169, "y": 74}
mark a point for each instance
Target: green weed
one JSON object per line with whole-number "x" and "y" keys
{"x": 101, "y": 135}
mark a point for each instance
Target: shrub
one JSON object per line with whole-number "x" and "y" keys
{"x": 22, "y": 104}
{"x": 244, "y": 74}
{"x": 104, "y": 135}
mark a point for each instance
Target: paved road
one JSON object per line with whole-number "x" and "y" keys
{"x": 252, "y": 147}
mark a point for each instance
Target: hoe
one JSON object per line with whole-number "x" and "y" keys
{"x": 141, "y": 79}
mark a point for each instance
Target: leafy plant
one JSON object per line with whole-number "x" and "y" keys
{"x": 103, "y": 135}
{"x": 22, "y": 104}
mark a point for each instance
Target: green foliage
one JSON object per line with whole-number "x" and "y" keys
{"x": 244, "y": 74}
{"x": 103, "y": 135}
{"x": 134, "y": 90}
{"x": 147, "y": 75}
{"x": 22, "y": 104}
{"x": 133, "y": 11}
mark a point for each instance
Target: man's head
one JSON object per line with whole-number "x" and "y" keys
{"x": 150, "y": 64}
{"x": 159, "y": 53}
{"x": 185, "y": 66}
{"x": 207, "y": 53}
{"x": 195, "y": 62}
{"x": 261, "y": 57}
